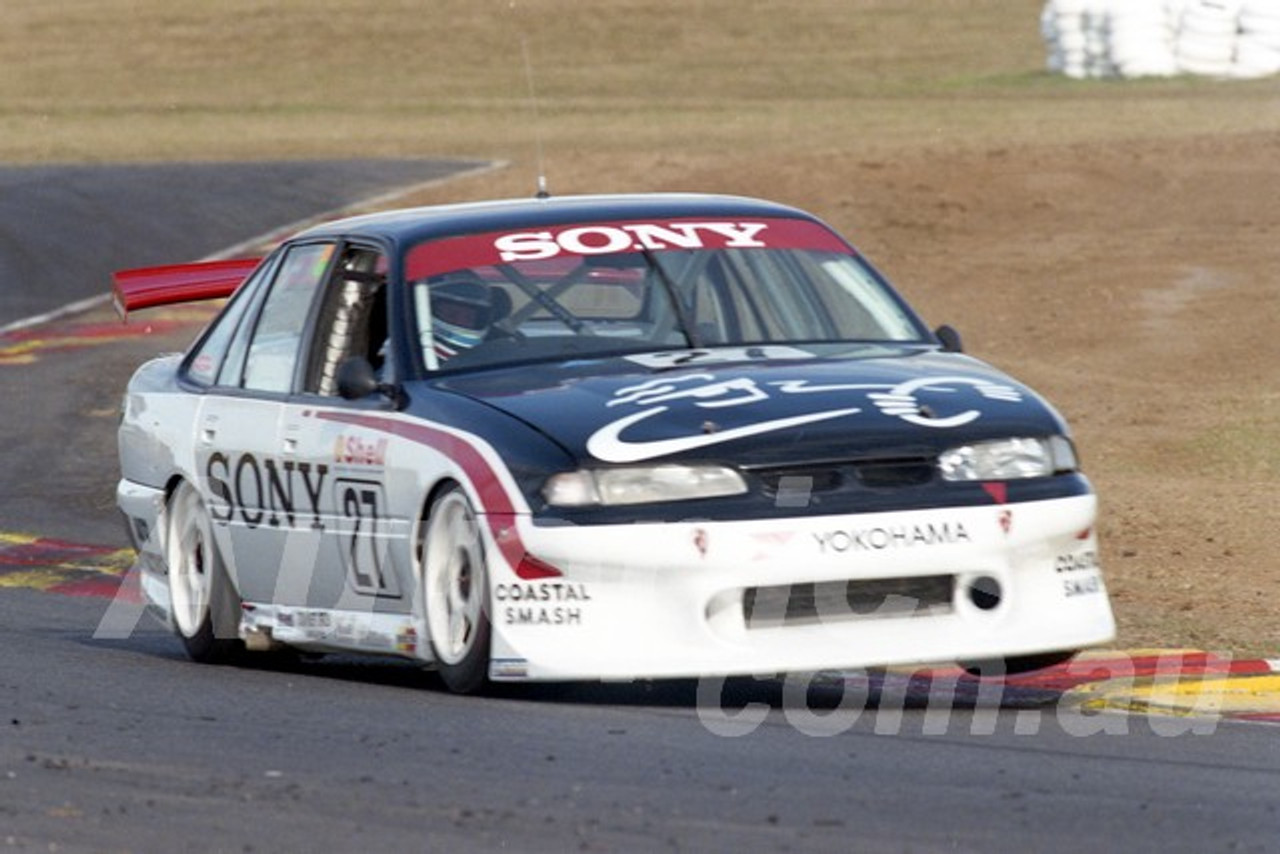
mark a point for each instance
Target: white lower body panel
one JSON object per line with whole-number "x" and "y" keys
{"x": 721, "y": 598}
{"x": 756, "y": 597}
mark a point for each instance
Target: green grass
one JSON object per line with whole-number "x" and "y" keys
{"x": 1247, "y": 448}
{"x": 105, "y": 80}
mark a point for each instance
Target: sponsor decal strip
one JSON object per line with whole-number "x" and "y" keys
{"x": 608, "y": 238}
{"x": 496, "y": 504}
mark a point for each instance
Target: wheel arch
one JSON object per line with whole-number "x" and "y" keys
{"x": 453, "y": 586}
{"x": 175, "y": 480}
{"x": 438, "y": 488}
{"x": 211, "y": 599}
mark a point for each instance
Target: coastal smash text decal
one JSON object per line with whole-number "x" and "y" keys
{"x": 480, "y": 250}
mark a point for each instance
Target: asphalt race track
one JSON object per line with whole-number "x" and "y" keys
{"x": 113, "y": 741}
{"x": 124, "y": 745}
{"x": 65, "y": 229}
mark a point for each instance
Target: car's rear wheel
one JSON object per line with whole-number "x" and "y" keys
{"x": 204, "y": 605}
{"x": 455, "y": 586}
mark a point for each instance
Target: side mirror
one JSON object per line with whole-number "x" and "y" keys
{"x": 949, "y": 338}
{"x": 357, "y": 380}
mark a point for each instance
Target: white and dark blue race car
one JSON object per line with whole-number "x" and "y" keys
{"x": 612, "y": 437}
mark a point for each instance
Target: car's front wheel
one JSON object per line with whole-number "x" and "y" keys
{"x": 1017, "y": 664}
{"x": 203, "y": 604}
{"x": 455, "y": 587}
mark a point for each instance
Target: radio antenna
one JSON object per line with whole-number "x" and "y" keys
{"x": 542, "y": 192}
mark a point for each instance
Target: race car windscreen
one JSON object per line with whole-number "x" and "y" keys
{"x": 643, "y": 300}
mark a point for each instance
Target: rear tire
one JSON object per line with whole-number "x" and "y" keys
{"x": 204, "y": 606}
{"x": 455, "y": 592}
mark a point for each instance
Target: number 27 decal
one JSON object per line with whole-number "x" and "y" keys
{"x": 365, "y": 536}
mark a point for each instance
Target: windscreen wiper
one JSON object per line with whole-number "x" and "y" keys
{"x": 682, "y": 316}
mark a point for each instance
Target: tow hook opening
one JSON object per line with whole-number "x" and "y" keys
{"x": 985, "y": 593}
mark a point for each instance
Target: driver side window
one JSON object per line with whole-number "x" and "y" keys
{"x": 352, "y": 320}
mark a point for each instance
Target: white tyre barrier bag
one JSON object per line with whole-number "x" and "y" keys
{"x": 1210, "y": 55}
{"x": 1254, "y": 59}
{"x": 1156, "y": 38}
{"x": 1260, "y": 22}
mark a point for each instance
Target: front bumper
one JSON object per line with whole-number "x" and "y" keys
{"x": 803, "y": 594}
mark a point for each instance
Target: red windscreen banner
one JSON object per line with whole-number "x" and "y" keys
{"x": 610, "y": 238}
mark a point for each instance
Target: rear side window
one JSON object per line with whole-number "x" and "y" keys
{"x": 207, "y": 357}
{"x": 273, "y": 350}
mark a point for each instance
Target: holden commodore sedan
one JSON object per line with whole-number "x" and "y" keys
{"x": 609, "y": 437}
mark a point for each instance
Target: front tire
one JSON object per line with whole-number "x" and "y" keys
{"x": 1017, "y": 665}
{"x": 455, "y": 588}
{"x": 204, "y": 606}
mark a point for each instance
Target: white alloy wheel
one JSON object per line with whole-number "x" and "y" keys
{"x": 455, "y": 583}
{"x": 204, "y": 607}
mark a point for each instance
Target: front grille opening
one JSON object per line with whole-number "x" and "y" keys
{"x": 846, "y": 601}
{"x": 889, "y": 474}
{"x": 818, "y": 478}
{"x": 800, "y": 481}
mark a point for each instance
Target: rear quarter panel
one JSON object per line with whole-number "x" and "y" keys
{"x": 156, "y": 430}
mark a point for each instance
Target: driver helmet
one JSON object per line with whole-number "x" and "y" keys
{"x": 462, "y": 311}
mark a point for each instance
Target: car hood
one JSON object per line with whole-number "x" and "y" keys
{"x": 766, "y": 411}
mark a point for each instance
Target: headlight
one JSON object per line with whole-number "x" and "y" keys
{"x": 1008, "y": 459}
{"x": 641, "y": 485}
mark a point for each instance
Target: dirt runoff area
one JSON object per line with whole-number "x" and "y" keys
{"x": 1137, "y": 285}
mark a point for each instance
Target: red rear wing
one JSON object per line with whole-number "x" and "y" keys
{"x": 148, "y": 287}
